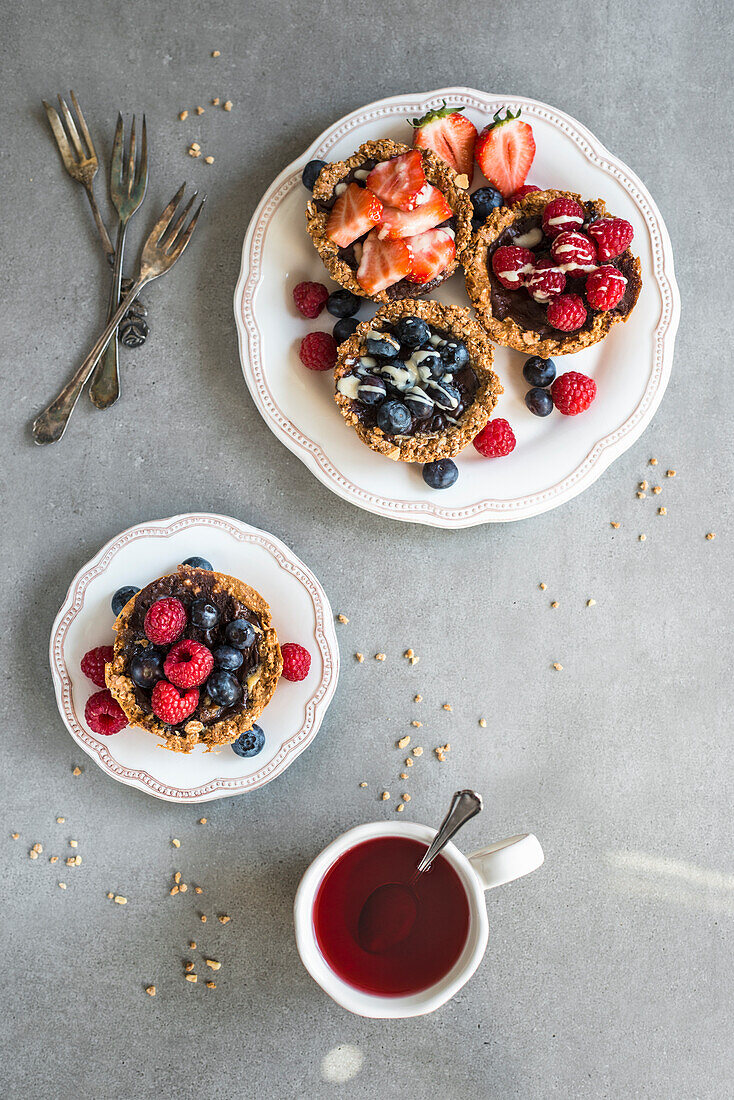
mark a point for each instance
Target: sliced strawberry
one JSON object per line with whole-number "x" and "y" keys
{"x": 383, "y": 263}
{"x": 353, "y": 214}
{"x": 398, "y": 181}
{"x": 432, "y": 253}
{"x": 409, "y": 223}
{"x": 504, "y": 151}
{"x": 450, "y": 135}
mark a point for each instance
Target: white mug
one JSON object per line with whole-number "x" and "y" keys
{"x": 492, "y": 866}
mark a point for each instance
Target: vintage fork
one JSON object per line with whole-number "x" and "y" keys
{"x": 168, "y": 239}
{"x": 128, "y": 183}
{"x": 81, "y": 163}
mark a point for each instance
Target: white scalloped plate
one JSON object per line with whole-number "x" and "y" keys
{"x": 556, "y": 457}
{"x": 301, "y": 613}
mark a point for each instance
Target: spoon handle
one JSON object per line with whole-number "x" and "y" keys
{"x": 464, "y": 804}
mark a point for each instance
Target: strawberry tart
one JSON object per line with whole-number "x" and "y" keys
{"x": 390, "y": 222}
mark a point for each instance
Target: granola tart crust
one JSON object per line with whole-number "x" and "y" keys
{"x": 479, "y": 287}
{"x": 440, "y": 174}
{"x": 194, "y": 732}
{"x": 459, "y": 323}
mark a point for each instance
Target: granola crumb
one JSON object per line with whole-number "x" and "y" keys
{"x": 192, "y": 945}
{"x": 405, "y": 797}
{"x": 215, "y": 101}
{"x": 150, "y": 990}
{"x": 642, "y": 495}
{"x": 670, "y": 473}
{"x": 199, "y": 110}
{"x": 227, "y": 105}
{"x": 385, "y": 795}
{"x": 191, "y": 977}
{"x": 183, "y": 115}
{"x": 203, "y": 820}
{"x": 183, "y": 887}
{"x": 212, "y": 964}
{"x": 653, "y": 462}
{"x": 447, "y": 706}
{"x": 224, "y": 919}
{"x": 408, "y": 653}
{"x": 403, "y": 775}
{"x": 360, "y": 657}
{"x": 591, "y": 603}
{"x": 176, "y": 842}
{"x": 120, "y": 900}
{"x": 188, "y": 967}
{"x": 554, "y": 603}
{"x": 211, "y": 985}
{"x": 643, "y": 485}
{"x": 404, "y": 741}
{"x": 62, "y": 886}
{"x": 418, "y": 751}
{"x": 15, "y": 836}
{"x": 193, "y": 152}
{"x": 710, "y": 536}
{"x": 642, "y": 538}
{"x": 657, "y": 489}
{"x": 416, "y": 723}
{"x": 342, "y": 619}
{"x": 60, "y": 820}
{"x": 216, "y": 53}
{"x": 73, "y": 843}
{"x": 173, "y": 891}
{"x": 202, "y": 918}
{"x": 379, "y": 656}
{"x": 662, "y": 511}
{"x": 483, "y": 723}
{"x": 399, "y": 808}
{"x": 198, "y": 890}
{"x": 414, "y": 660}
{"x": 558, "y": 667}
{"x": 409, "y": 761}
{"x": 177, "y": 877}
{"x": 614, "y": 525}
{"x": 110, "y": 896}
{"x": 363, "y": 784}
{"x": 542, "y": 586}
{"x": 77, "y": 770}
{"x": 418, "y": 699}
{"x": 209, "y": 160}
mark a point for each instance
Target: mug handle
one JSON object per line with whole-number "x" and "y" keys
{"x": 507, "y": 860}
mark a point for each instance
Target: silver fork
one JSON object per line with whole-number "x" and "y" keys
{"x": 81, "y": 163}
{"x": 128, "y": 183}
{"x": 168, "y": 239}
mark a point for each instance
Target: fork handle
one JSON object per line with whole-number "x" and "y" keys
{"x": 101, "y": 228}
{"x": 50, "y": 425}
{"x": 105, "y": 386}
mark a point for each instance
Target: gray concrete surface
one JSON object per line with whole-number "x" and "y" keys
{"x": 609, "y": 971}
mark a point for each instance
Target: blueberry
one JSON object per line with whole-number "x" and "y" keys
{"x": 371, "y": 390}
{"x": 455, "y": 355}
{"x": 539, "y": 401}
{"x": 441, "y": 474}
{"x": 121, "y": 597}
{"x": 240, "y": 633}
{"x": 146, "y": 668}
{"x": 485, "y": 200}
{"x": 399, "y": 375}
{"x": 342, "y": 303}
{"x": 311, "y": 173}
{"x": 204, "y": 614}
{"x": 393, "y": 418}
{"x": 199, "y": 563}
{"x": 539, "y": 372}
{"x": 419, "y": 403}
{"x": 444, "y": 395}
{"x": 412, "y": 332}
{"x": 223, "y": 689}
{"x": 386, "y": 347}
{"x": 343, "y": 329}
{"x": 227, "y": 657}
{"x": 430, "y": 361}
{"x": 249, "y": 743}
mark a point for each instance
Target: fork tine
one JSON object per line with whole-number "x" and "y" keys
{"x": 71, "y": 127}
{"x": 165, "y": 219}
{"x": 83, "y": 126}
{"x": 60, "y": 134}
{"x": 131, "y": 160}
{"x": 173, "y": 228}
{"x": 141, "y": 178}
{"x": 116, "y": 162}
{"x": 183, "y": 238}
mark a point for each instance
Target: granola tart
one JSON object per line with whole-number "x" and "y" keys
{"x": 343, "y": 261}
{"x": 416, "y": 382}
{"x": 514, "y": 318}
{"x": 209, "y": 724}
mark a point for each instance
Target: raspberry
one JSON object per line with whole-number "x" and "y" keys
{"x": 495, "y": 440}
{"x": 561, "y": 215}
{"x": 526, "y": 189}
{"x": 605, "y": 288}
{"x": 567, "y": 312}
{"x": 93, "y": 664}
{"x": 296, "y": 661}
{"x": 165, "y": 621}
{"x": 572, "y": 392}
{"x": 310, "y": 298}
{"x": 188, "y": 663}
{"x": 574, "y": 253}
{"x": 170, "y": 705}
{"x": 511, "y": 264}
{"x": 612, "y": 236}
{"x": 318, "y": 351}
{"x": 545, "y": 281}
{"x": 103, "y": 714}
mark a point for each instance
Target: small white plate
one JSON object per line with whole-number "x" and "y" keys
{"x": 556, "y": 457}
{"x": 301, "y": 613}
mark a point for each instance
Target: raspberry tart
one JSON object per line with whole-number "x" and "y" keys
{"x": 552, "y": 273}
{"x": 196, "y": 658}
{"x": 390, "y": 222}
{"x": 416, "y": 382}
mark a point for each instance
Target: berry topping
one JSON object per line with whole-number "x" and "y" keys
{"x": 344, "y": 328}
{"x": 611, "y": 236}
{"x": 227, "y": 657}
{"x": 432, "y": 253}
{"x": 382, "y": 344}
{"x": 443, "y": 394}
{"x": 371, "y": 390}
{"x": 454, "y": 355}
{"x": 204, "y": 614}
{"x": 512, "y": 265}
{"x": 393, "y": 418}
{"x": 103, "y": 714}
{"x": 318, "y": 351}
{"x": 249, "y": 743}
{"x": 545, "y": 281}
{"x": 296, "y": 661}
{"x": 484, "y": 201}
{"x": 240, "y": 633}
{"x": 383, "y": 263}
{"x": 419, "y": 404}
{"x": 170, "y": 705}
{"x": 188, "y": 663}
{"x": 198, "y": 563}
{"x": 505, "y": 150}
{"x": 311, "y": 173}
{"x": 496, "y": 439}
{"x": 121, "y": 597}
{"x": 146, "y": 668}
{"x": 450, "y": 135}
{"x": 441, "y": 474}
{"x": 165, "y": 621}
{"x": 93, "y": 662}
{"x": 223, "y": 689}
{"x": 412, "y": 332}
{"x": 353, "y": 214}
{"x": 605, "y": 288}
{"x": 574, "y": 253}
{"x": 399, "y": 181}
{"x": 561, "y": 215}
{"x": 519, "y": 195}
{"x": 310, "y": 298}
{"x": 539, "y": 401}
{"x": 572, "y": 392}
{"x": 539, "y": 372}
{"x": 342, "y": 303}
{"x": 397, "y": 224}
{"x": 567, "y": 312}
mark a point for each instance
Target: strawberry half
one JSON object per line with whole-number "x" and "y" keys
{"x": 353, "y": 214}
{"x": 395, "y": 224}
{"x": 450, "y": 135}
{"x": 504, "y": 152}
{"x": 383, "y": 263}
{"x": 432, "y": 253}
{"x": 398, "y": 181}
